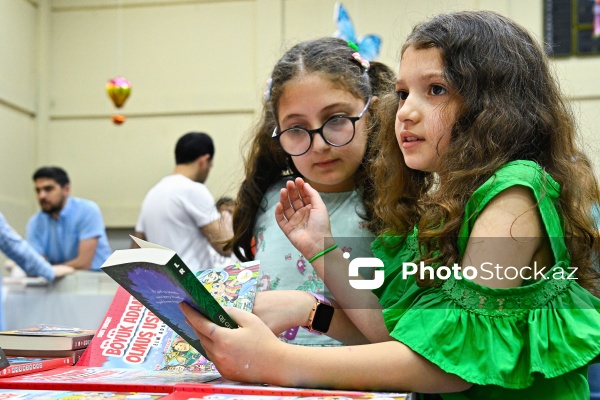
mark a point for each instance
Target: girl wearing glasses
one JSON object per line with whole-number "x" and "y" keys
{"x": 317, "y": 123}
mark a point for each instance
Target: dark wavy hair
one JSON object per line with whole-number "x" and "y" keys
{"x": 511, "y": 108}
{"x": 266, "y": 162}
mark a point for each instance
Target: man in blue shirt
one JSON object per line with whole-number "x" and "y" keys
{"x": 68, "y": 230}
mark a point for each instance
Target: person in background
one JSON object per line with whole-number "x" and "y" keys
{"x": 179, "y": 212}
{"x": 317, "y": 123}
{"x": 68, "y": 230}
{"x": 224, "y": 204}
{"x": 29, "y": 260}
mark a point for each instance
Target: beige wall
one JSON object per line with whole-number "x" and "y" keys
{"x": 194, "y": 65}
{"x": 18, "y": 97}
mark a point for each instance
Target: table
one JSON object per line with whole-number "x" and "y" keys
{"x": 77, "y": 300}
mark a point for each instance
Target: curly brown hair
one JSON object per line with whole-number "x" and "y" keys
{"x": 266, "y": 162}
{"x": 511, "y": 108}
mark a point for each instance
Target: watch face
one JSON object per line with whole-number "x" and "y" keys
{"x": 322, "y": 318}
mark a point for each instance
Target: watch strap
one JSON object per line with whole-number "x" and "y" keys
{"x": 320, "y": 299}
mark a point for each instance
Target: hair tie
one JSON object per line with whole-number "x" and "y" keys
{"x": 267, "y": 93}
{"x": 364, "y": 63}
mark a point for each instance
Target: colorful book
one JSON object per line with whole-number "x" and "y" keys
{"x": 105, "y": 379}
{"x": 27, "y": 365}
{"x": 160, "y": 280}
{"x": 76, "y": 395}
{"x": 131, "y": 336}
{"x": 46, "y": 337}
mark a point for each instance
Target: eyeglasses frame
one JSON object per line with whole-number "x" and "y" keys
{"x": 311, "y": 132}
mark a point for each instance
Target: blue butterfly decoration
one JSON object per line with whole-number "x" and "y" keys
{"x": 368, "y": 45}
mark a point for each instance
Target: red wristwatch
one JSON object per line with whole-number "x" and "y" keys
{"x": 320, "y": 315}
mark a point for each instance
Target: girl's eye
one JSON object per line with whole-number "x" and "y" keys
{"x": 402, "y": 95}
{"x": 438, "y": 90}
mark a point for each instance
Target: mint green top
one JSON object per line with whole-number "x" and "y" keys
{"x": 529, "y": 342}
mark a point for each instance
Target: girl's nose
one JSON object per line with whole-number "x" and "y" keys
{"x": 408, "y": 110}
{"x": 319, "y": 144}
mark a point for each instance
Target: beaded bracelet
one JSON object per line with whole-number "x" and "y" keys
{"x": 321, "y": 253}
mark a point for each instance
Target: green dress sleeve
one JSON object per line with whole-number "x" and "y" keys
{"x": 533, "y": 341}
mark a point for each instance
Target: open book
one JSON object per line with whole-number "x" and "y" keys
{"x": 160, "y": 280}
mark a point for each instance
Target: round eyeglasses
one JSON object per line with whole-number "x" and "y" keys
{"x": 337, "y": 131}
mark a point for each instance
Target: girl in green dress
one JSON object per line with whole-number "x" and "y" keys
{"x": 486, "y": 239}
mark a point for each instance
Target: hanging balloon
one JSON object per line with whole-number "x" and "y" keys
{"x": 118, "y": 119}
{"x": 118, "y": 90}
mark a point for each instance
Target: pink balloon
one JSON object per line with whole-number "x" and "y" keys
{"x": 118, "y": 90}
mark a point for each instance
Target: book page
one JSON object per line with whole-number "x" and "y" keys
{"x": 147, "y": 245}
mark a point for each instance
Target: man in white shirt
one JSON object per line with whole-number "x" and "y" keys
{"x": 179, "y": 212}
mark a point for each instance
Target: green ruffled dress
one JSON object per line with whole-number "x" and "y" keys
{"x": 530, "y": 342}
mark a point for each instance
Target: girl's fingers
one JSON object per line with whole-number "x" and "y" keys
{"x": 197, "y": 321}
{"x": 199, "y": 325}
{"x": 294, "y": 195}
{"x": 312, "y": 196}
{"x": 279, "y": 217}
{"x": 304, "y": 189}
{"x": 286, "y": 208}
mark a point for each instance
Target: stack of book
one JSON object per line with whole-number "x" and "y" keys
{"x": 42, "y": 347}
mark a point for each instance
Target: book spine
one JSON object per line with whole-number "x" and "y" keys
{"x": 208, "y": 305}
{"x": 36, "y": 366}
{"x": 80, "y": 343}
{"x": 45, "y": 353}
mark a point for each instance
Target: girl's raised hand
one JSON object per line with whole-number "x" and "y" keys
{"x": 242, "y": 354}
{"x": 303, "y": 217}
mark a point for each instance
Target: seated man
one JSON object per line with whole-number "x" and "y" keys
{"x": 179, "y": 211}
{"x": 26, "y": 257}
{"x": 68, "y": 230}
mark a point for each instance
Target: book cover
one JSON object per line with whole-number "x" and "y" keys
{"x": 160, "y": 280}
{"x": 76, "y": 354}
{"x": 27, "y": 365}
{"x": 131, "y": 336}
{"x": 46, "y": 337}
{"x": 6, "y": 394}
{"x": 105, "y": 379}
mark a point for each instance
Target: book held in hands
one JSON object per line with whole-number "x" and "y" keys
{"x": 160, "y": 281}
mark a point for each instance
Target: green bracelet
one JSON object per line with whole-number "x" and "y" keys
{"x": 321, "y": 253}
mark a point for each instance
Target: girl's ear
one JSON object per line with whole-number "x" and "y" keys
{"x": 374, "y": 101}
{"x": 374, "y": 105}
